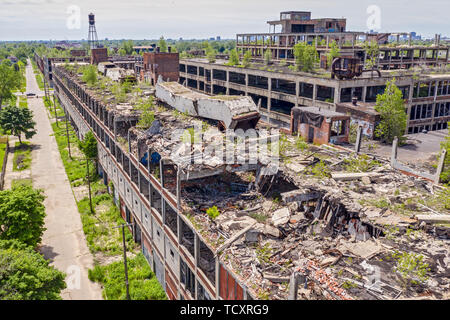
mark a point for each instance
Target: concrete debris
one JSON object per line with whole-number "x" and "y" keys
{"x": 281, "y": 217}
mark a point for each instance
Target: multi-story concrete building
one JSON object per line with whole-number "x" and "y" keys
{"x": 427, "y": 95}
{"x": 255, "y": 244}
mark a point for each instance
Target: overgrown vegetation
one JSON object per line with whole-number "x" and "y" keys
{"x": 22, "y": 156}
{"x": 22, "y": 215}
{"x": 213, "y": 212}
{"x": 360, "y": 163}
{"x": 391, "y": 107}
{"x": 142, "y": 281}
{"x": 18, "y": 121}
{"x": 411, "y": 267}
{"x": 26, "y": 275}
{"x": 306, "y": 57}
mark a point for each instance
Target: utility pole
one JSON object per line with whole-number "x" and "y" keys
{"x": 89, "y": 185}
{"x": 125, "y": 257}
{"x": 54, "y": 106}
{"x": 67, "y": 134}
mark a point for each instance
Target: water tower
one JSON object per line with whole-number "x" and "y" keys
{"x": 92, "y": 38}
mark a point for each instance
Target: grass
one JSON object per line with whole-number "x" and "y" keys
{"x": 39, "y": 80}
{"x": 142, "y": 281}
{"x": 2, "y": 150}
{"x": 21, "y": 182}
{"x": 98, "y": 227}
{"x": 23, "y": 102}
{"x": 22, "y": 156}
{"x": 101, "y": 236}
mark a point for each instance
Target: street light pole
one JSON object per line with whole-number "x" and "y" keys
{"x": 67, "y": 134}
{"x": 54, "y": 106}
{"x": 89, "y": 185}
{"x": 125, "y": 257}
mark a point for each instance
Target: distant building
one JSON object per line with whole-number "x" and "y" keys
{"x": 218, "y": 38}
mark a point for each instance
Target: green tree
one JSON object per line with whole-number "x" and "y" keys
{"x": 89, "y": 146}
{"x": 90, "y": 75}
{"x": 234, "y": 58}
{"x": 10, "y": 80}
{"x": 333, "y": 54}
{"x": 18, "y": 120}
{"x": 162, "y": 44}
{"x": 267, "y": 57}
{"x": 22, "y": 214}
{"x": 246, "y": 61}
{"x": 445, "y": 176}
{"x": 391, "y": 107}
{"x": 372, "y": 50}
{"x": 26, "y": 275}
{"x": 127, "y": 47}
{"x": 210, "y": 54}
{"x": 306, "y": 57}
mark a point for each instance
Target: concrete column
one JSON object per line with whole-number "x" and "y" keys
{"x": 198, "y": 77}
{"x": 269, "y": 97}
{"x": 364, "y": 94}
{"x": 212, "y": 80}
{"x": 314, "y": 92}
{"x": 440, "y": 167}
{"x": 394, "y": 152}
{"x": 297, "y": 92}
{"x": 228, "y": 83}
{"x": 337, "y": 95}
{"x": 246, "y": 84}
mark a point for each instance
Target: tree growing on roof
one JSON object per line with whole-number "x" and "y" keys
{"x": 267, "y": 57}
{"x": 246, "y": 62}
{"x": 162, "y": 44}
{"x": 372, "y": 52}
{"x": 234, "y": 58}
{"x": 90, "y": 75}
{"x": 391, "y": 107}
{"x": 18, "y": 121}
{"x": 210, "y": 54}
{"x": 333, "y": 54}
{"x": 306, "y": 57}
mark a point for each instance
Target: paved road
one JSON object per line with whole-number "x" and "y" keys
{"x": 63, "y": 241}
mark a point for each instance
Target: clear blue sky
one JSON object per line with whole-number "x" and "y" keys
{"x": 149, "y": 19}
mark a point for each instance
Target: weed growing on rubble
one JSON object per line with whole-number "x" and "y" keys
{"x": 411, "y": 267}
{"x": 261, "y": 218}
{"x": 213, "y": 212}
{"x": 263, "y": 253}
{"x": 349, "y": 285}
{"x": 320, "y": 170}
{"x": 361, "y": 163}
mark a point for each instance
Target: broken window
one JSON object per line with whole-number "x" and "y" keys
{"x": 134, "y": 174}
{"x": 187, "y": 278}
{"x": 325, "y": 94}
{"x": 143, "y": 185}
{"x": 170, "y": 217}
{"x": 306, "y": 90}
{"x": 187, "y": 237}
{"x": 170, "y": 177}
{"x": 284, "y": 86}
{"x": 338, "y": 128}
{"x": 155, "y": 199}
{"x": 126, "y": 165}
{"x": 201, "y": 292}
{"x": 207, "y": 262}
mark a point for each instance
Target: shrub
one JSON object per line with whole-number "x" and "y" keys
{"x": 213, "y": 212}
